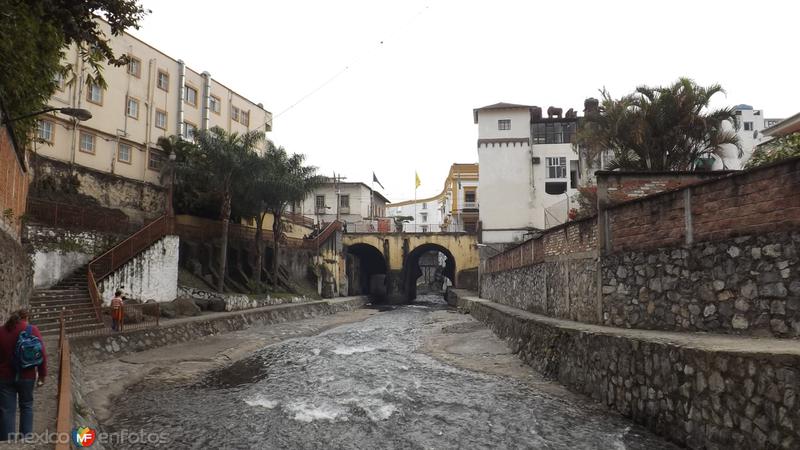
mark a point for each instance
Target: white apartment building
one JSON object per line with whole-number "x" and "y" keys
{"x": 752, "y": 124}
{"x": 528, "y": 170}
{"x": 154, "y": 95}
{"x": 348, "y": 202}
{"x": 455, "y": 209}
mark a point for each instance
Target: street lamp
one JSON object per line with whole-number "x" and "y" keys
{"x": 78, "y": 113}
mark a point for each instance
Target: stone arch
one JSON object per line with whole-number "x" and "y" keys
{"x": 411, "y": 270}
{"x": 366, "y": 269}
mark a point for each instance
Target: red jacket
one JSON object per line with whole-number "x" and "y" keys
{"x": 8, "y": 342}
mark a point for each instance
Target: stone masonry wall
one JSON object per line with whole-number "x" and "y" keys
{"x": 719, "y": 256}
{"x": 693, "y": 394}
{"x": 138, "y": 200}
{"x": 564, "y": 288}
{"x": 749, "y": 284}
{"x": 16, "y": 276}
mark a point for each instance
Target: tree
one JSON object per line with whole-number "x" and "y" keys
{"x": 220, "y": 160}
{"x": 285, "y": 181}
{"x": 35, "y": 33}
{"x": 659, "y": 128}
{"x": 775, "y": 150}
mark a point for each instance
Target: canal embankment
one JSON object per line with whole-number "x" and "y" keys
{"x": 697, "y": 389}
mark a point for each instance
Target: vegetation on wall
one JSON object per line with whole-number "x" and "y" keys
{"x": 659, "y": 128}
{"x": 775, "y": 150}
{"x": 34, "y": 36}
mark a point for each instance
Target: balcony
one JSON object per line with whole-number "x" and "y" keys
{"x": 470, "y": 205}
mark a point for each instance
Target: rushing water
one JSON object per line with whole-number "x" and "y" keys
{"x": 366, "y": 385}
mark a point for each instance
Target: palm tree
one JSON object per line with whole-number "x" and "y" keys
{"x": 221, "y": 161}
{"x": 660, "y": 128}
{"x": 286, "y": 180}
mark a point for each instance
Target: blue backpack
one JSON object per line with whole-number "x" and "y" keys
{"x": 29, "y": 351}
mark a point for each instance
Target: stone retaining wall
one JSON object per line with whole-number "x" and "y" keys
{"x": 16, "y": 276}
{"x": 564, "y": 288}
{"x": 91, "y": 349}
{"x": 681, "y": 388}
{"x": 238, "y": 302}
{"x": 744, "y": 285}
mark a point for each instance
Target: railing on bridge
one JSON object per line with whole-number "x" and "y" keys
{"x": 379, "y": 225}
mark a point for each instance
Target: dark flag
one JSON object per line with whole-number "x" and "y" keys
{"x": 375, "y": 180}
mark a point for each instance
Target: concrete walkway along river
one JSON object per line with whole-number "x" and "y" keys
{"x": 415, "y": 376}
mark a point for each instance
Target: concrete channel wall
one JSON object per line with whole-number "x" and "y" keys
{"x": 698, "y": 390}
{"x": 92, "y": 349}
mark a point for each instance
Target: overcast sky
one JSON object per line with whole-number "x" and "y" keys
{"x": 416, "y": 69}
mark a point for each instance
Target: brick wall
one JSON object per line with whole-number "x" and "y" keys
{"x": 13, "y": 185}
{"x": 752, "y": 202}
{"x": 656, "y": 222}
{"x": 619, "y": 187}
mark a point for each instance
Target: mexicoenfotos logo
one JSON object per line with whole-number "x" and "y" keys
{"x": 83, "y": 436}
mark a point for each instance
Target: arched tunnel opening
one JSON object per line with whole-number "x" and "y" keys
{"x": 429, "y": 268}
{"x": 366, "y": 271}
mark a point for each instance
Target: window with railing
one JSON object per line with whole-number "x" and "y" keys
{"x": 553, "y": 132}
{"x": 344, "y": 204}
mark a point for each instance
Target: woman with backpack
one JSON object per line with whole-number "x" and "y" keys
{"x": 22, "y": 358}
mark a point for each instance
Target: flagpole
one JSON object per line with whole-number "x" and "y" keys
{"x": 415, "y": 202}
{"x": 371, "y": 196}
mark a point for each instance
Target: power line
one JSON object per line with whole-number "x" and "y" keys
{"x": 351, "y": 64}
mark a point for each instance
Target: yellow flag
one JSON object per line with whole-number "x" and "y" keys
{"x": 416, "y": 180}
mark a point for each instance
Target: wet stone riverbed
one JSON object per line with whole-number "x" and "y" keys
{"x": 419, "y": 376}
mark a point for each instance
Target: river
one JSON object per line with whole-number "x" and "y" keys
{"x": 420, "y": 376}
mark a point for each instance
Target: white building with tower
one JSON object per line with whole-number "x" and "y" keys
{"x": 528, "y": 169}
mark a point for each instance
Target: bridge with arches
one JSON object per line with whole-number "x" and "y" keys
{"x": 386, "y": 266}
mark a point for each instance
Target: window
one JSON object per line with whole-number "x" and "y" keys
{"x": 44, "y": 130}
{"x": 87, "y": 142}
{"x": 155, "y": 160}
{"x": 424, "y": 205}
{"x": 135, "y": 67}
{"x": 319, "y": 202}
{"x": 189, "y": 131}
{"x": 215, "y": 104}
{"x": 557, "y": 167}
{"x": 245, "y": 118}
{"x": 124, "y": 153}
{"x": 132, "y": 109}
{"x": 162, "y": 80}
{"x": 423, "y": 217}
{"x": 95, "y": 94}
{"x": 344, "y": 201}
{"x": 573, "y": 174}
{"x": 553, "y": 132}
{"x": 58, "y": 79}
{"x": 469, "y": 196}
{"x": 234, "y": 113}
{"x": 161, "y": 119}
{"x": 190, "y": 95}
{"x": 748, "y": 126}
{"x": 504, "y": 124}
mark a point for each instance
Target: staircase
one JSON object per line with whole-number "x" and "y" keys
{"x": 70, "y": 297}
{"x": 77, "y": 296}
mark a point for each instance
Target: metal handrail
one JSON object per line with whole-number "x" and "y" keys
{"x": 105, "y": 264}
{"x": 64, "y": 414}
{"x": 60, "y": 214}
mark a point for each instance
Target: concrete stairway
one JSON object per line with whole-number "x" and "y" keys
{"x": 71, "y": 297}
